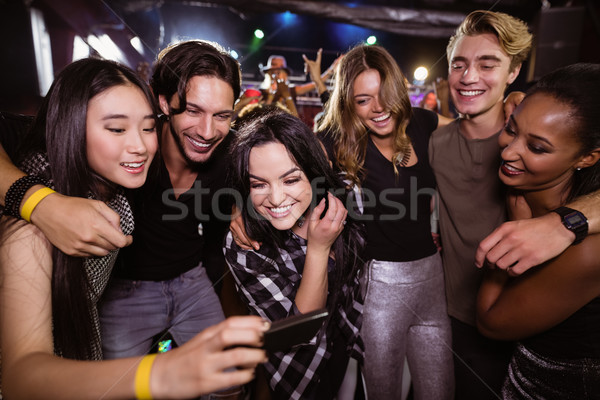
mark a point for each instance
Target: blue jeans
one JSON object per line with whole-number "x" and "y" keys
{"x": 133, "y": 312}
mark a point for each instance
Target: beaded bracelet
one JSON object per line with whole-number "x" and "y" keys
{"x": 14, "y": 194}
{"x": 142, "y": 378}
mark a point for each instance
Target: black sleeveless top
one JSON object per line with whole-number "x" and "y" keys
{"x": 397, "y": 207}
{"x": 576, "y": 337}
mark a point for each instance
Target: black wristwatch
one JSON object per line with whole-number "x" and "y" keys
{"x": 574, "y": 221}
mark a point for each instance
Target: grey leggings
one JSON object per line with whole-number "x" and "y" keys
{"x": 405, "y": 315}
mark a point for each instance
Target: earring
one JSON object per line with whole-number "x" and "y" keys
{"x": 578, "y": 168}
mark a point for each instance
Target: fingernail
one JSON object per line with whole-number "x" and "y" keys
{"x": 266, "y": 325}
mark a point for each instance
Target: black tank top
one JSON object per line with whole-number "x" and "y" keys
{"x": 576, "y": 337}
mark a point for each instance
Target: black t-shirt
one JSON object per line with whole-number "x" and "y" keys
{"x": 171, "y": 235}
{"x": 397, "y": 208}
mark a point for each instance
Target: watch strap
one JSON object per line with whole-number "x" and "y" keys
{"x": 574, "y": 221}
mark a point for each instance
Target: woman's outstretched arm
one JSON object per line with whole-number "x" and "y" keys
{"x": 31, "y": 370}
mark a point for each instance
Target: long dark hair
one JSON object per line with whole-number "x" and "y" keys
{"x": 59, "y": 130}
{"x": 305, "y": 150}
{"x": 577, "y": 86}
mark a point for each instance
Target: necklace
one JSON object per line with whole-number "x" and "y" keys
{"x": 403, "y": 157}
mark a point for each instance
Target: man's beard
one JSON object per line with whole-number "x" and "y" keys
{"x": 179, "y": 142}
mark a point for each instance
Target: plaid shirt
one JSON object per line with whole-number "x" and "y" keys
{"x": 269, "y": 287}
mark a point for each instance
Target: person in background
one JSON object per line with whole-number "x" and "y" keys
{"x": 310, "y": 253}
{"x": 429, "y": 101}
{"x": 313, "y": 68}
{"x": 92, "y": 141}
{"x": 550, "y": 151}
{"x": 379, "y": 142}
{"x": 252, "y": 111}
{"x": 277, "y": 88}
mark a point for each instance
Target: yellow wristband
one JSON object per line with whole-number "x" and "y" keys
{"x": 142, "y": 378}
{"x": 33, "y": 201}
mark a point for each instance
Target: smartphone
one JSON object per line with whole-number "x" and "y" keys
{"x": 288, "y": 332}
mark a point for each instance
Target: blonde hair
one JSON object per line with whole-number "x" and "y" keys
{"x": 512, "y": 33}
{"x": 341, "y": 120}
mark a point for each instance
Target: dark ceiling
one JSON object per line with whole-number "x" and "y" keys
{"x": 414, "y": 31}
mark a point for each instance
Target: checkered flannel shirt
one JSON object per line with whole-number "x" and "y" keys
{"x": 269, "y": 288}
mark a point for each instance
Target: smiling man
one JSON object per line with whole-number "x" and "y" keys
{"x": 484, "y": 57}
{"x": 161, "y": 282}
{"x": 198, "y": 127}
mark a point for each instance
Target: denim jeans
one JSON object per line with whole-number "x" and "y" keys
{"x": 133, "y": 312}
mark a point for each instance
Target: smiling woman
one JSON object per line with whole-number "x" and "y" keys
{"x": 380, "y": 142}
{"x": 538, "y": 146}
{"x": 309, "y": 257}
{"x": 120, "y": 145}
{"x": 279, "y": 190}
{"x": 91, "y": 140}
{"x": 551, "y": 148}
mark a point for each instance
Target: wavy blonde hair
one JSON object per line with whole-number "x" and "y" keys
{"x": 512, "y": 33}
{"x": 341, "y": 120}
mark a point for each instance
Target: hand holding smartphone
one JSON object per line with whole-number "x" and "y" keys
{"x": 294, "y": 330}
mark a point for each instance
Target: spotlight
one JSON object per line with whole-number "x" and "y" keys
{"x": 80, "y": 48}
{"x": 259, "y": 34}
{"x": 104, "y": 45}
{"x": 420, "y": 74}
{"x": 137, "y": 44}
{"x": 288, "y": 18}
{"x": 371, "y": 40}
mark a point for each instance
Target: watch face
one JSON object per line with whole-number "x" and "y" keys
{"x": 574, "y": 220}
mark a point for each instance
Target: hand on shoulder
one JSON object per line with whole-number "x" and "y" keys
{"x": 522, "y": 244}
{"x": 79, "y": 227}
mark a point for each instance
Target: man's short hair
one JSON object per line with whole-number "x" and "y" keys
{"x": 512, "y": 33}
{"x": 180, "y": 62}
